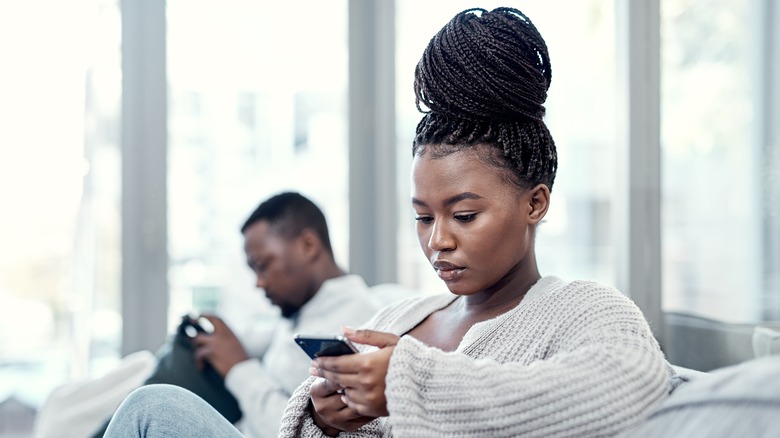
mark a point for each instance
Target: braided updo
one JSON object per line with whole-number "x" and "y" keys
{"x": 484, "y": 79}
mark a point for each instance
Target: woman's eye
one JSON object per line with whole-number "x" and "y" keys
{"x": 424, "y": 219}
{"x": 465, "y": 217}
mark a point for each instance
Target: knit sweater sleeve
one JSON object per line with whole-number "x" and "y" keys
{"x": 605, "y": 373}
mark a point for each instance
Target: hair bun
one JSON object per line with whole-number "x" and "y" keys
{"x": 485, "y": 66}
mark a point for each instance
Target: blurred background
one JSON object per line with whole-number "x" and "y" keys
{"x": 137, "y": 136}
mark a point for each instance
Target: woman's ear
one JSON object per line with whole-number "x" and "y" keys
{"x": 538, "y": 203}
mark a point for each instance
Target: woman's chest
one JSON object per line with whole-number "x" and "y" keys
{"x": 446, "y": 328}
{"x": 441, "y": 331}
{"x": 515, "y": 337}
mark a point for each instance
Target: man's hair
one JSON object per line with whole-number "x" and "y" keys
{"x": 289, "y": 213}
{"x": 484, "y": 79}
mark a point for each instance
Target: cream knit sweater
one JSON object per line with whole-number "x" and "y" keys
{"x": 571, "y": 360}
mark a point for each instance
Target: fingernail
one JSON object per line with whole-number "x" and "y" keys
{"x": 344, "y": 399}
{"x": 347, "y": 330}
{"x": 314, "y": 371}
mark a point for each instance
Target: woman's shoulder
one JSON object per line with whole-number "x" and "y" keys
{"x": 554, "y": 282}
{"x": 580, "y": 293}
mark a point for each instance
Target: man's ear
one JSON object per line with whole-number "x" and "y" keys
{"x": 538, "y": 203}
{"x": 310, "y": 243}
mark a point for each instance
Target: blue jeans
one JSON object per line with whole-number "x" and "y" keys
{"x": 168, "y": 411}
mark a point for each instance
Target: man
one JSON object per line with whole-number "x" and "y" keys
{"x": 288, "y": 247}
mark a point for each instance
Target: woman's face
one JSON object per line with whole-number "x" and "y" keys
{"x": 473, "y": 225}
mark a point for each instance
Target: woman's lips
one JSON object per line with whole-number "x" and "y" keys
{"x": 447, "y": 271}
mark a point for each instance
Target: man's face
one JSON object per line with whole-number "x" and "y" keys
{"x": 280, "y": 266}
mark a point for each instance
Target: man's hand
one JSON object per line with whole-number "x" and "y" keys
{"x": 221, "y": 349}
{"x": 361, "y": 376}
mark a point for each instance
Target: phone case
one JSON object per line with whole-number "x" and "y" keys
{"x": 317, "y": 346}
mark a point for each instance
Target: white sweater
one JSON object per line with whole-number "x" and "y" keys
{"x": 571, "y": 360}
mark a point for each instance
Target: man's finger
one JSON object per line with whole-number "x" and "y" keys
{"x": 200, "y": 340}
{"x": 216, "y": 322}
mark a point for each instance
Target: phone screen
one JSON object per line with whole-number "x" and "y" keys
{"x": 316, "y": 346}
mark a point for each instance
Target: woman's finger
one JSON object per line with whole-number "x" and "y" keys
{"x": 370, "y": 337}
{"x": 323, "y": 388}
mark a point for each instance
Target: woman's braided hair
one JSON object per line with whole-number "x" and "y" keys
{"x": 484, "y": 79}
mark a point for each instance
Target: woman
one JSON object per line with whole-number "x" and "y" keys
{"x": 508, "y": 352}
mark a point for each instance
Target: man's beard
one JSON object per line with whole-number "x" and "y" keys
{"x": 288, "y": 311}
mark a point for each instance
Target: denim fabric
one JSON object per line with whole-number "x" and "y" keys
{"x": 738, "y": 401}
{"x": 168, "y": 411}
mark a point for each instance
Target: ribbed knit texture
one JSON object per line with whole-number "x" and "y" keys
{"x": 571, "y": 360}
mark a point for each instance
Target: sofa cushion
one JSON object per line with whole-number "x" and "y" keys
{"x": 741, "y": 400}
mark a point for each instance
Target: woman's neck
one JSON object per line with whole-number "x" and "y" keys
{"x": 505, "y": 294}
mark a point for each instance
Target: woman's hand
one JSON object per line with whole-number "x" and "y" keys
{"x": 330, "y": 413}
{"x": 360, "y": 376}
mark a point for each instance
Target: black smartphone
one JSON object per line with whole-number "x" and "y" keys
{"x": 315, "y": 345}
{"x": 193, "y": 324}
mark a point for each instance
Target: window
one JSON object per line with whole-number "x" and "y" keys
{"x": 257, "y": 106}
{"x": 59, "y": 188}
{"x": 718, "y": 221}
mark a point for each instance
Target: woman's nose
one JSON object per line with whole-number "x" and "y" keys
{"x": 441, "y": 238}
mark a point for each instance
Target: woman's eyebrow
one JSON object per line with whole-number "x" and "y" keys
{"x": 451, "y": 200}
{"x": 460, "y": 197}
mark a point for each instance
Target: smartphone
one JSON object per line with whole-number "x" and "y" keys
{"x": 193, "y": 324}
{"x": 317, "y": 345}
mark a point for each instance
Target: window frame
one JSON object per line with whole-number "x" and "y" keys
{"x": 373, "y": 199}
